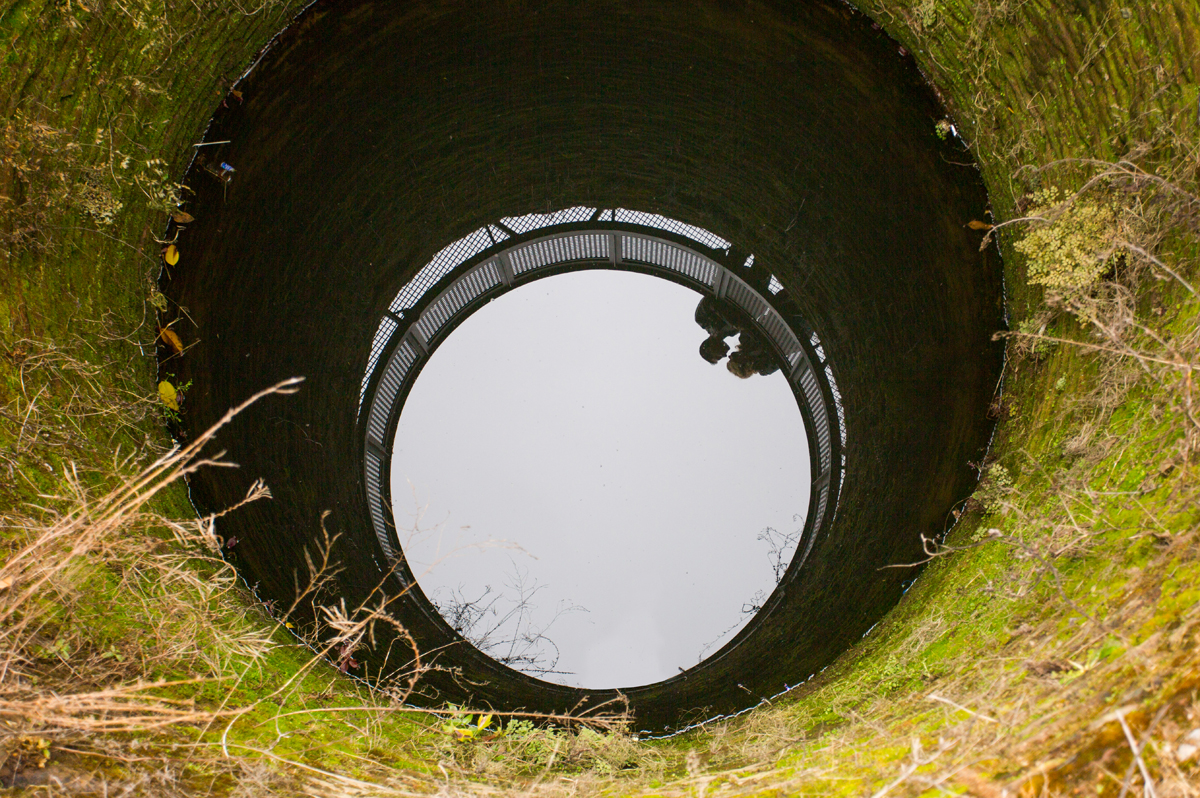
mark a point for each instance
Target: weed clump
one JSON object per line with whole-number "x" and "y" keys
{"x": 94, "y": 199}
{"x": 521, "y": 748}
{"x": 926, "y": 14}
{"x": 995, "y": 487}
{"x": 1072, "y": 249}
{"x": 1031, "y": 340}
{"x": 162, "y": 194}
{"x": 36, "y": 166}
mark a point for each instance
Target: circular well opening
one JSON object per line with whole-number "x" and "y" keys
{"x": 803, "y": 136}
{"x": 584, "y": 497}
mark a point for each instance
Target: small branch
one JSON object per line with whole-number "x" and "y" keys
{"x": 943, "y": 550}
{"x": 1054, "y": 573}
{"x": 987, "y": 237}
{"x": 911, "y": 768}
{"x": 1140, "y": 251}
{"x": 1185, "y": 365}
{"x": 1137, "y": 756}
{"x": 938, "y": 698}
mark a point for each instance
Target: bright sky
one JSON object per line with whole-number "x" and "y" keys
{"x": 569, "y": 435}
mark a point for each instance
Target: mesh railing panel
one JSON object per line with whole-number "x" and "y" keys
{"x": 822, "y": 501}
{"x": 668, "y": 256}
{"x": 583, "y": 246}
{"x": 816, "y": 344}
{"x": 812, "y": 392}
{"x": 837, "y": 402}
{"x": 654, "y": 220}
{"x": 374, "y": 468}
{"x": 745, "y": 298}
{"x": 782, "y": 335}
{"x": 470, "y": 286}
{"x": 397, "y": 369}
{"x": 442, "y": 264}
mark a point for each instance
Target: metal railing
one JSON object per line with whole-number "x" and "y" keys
{"x": 490, "y": 262}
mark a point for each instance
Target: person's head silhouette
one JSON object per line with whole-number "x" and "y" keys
{"x": 742, "y": 365}
{"x": 713, "y": 349}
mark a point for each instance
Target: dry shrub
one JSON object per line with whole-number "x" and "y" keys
{"x": 38, "y": 164}
{"x": 1117, "y": 219}
{"x": 1080, "y": 445}
{"x": 1098, "y": 252}
{"x": 1031, "y": 342}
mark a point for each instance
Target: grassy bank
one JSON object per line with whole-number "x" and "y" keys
{"x": 1049, "y": 647}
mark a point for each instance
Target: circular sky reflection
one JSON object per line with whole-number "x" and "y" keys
{"x": 582, "y": 495}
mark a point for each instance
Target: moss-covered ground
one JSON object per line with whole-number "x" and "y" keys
{"x": 1049, "y": 647}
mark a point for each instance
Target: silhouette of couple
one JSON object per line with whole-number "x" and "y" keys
{"x": 722, "y": 319}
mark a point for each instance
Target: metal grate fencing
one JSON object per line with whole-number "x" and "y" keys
{"x": 745, "y": 298}
{"x": 374, "y": 474}
{"x": 383, "y": 334}
{"x": 398, "y": 366}
{"x": 444, "y": 262}
{"x": 816, "y": 402}
{"x": 710, "y": 240}
{"x": 536, "y": 221}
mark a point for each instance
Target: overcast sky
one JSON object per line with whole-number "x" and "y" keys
{"x": 573, "y": 418}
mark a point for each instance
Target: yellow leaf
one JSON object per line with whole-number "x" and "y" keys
{"x": 485, "y": 721}
{"x": 977, "y": 225}
{"x": 171, "y": 256}
{"x": 168, "y": 395}
{"x": 289, "y": 625}
{"x": 169, "y": 338}
{"x": 182, "y": 217}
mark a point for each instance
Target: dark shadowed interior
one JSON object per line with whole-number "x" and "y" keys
{"x": 374, "y": 133}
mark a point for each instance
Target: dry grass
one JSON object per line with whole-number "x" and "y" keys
{"x": 125, "y": 638}
{"x": 63, "y": 392}
{"x": 98, "y": 600}
{"x": 46, "y": 586}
